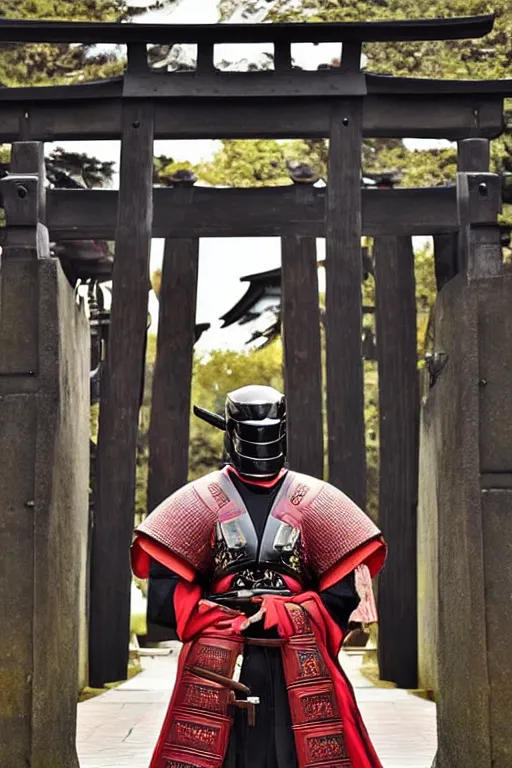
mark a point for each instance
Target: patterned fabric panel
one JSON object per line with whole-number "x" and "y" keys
{"x": 177, "y": 764}
{"x": 325, "y": 748}
{"x": 317, "y": 722}
{"x": 185, "y": 733}
{"x": 319, "y": 706}
{"x": 300, "y": 620}
{"x": 202, "y": 696}
{"x": 310, "y": 664}
{"x": 313, "y": 703}
{"x": 322, "y": 745}
{"x": 212, "y": 657}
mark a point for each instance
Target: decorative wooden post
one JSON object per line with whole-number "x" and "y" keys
{"x": 398, "y": 473}
{"x": 302, "y": 354}
{"x": 117, "y": 439}
{"x": 345, "y": 392}
{"x": 169, "y": 429}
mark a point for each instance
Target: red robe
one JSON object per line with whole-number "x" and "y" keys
{"x": 336, "y": 538}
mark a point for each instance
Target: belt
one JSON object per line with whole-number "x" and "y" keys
{"x": 266, "y": 642}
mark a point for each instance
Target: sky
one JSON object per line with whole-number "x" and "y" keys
{"x": 222, "y": 261}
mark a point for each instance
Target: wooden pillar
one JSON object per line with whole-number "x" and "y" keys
{"x": 473, "y": 155}
{"x": 119, "y": 409}
{"x": 445, "y": 258}
{"x": 345, "y": 396}
{"x": 170, "y": 404}
{"x": 302, "y": 354}
{"x": 399, "y": 430}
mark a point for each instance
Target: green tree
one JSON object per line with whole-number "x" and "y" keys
{"x": 37, "y": 64}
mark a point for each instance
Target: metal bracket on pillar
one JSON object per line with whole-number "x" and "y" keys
{"x": 25, "y": 241}
{"x": 479, "y": 242}
{"x": 24, "y": 202}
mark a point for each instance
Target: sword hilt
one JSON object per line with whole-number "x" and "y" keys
{"x": 249, "y": 704}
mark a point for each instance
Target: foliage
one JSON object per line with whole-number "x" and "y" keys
{"x": 164, "y": 167}
{"x": 84, "y": 169}
{"x": 38, "y": 63}
{"x": 246, "y": 163}
{"x": 156, "y": 281}
{"x": 486, "y": 58}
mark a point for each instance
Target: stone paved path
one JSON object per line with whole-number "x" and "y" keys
{"x": 120, "y": 728}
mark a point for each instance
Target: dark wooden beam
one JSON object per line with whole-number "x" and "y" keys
{"x": 343, "y": 302}
{"x": 172, "y": 381}
{"x": 23, "y": 31}
{"x": 283, "y": 56}
{"x": 398, "y": 472}
{"x": 302, "y": 355}
{"x": 269, "y": 85}
{"x": 47, "y": 114}
{"x": 119, "y": 409}
{"x": 473, "y": 155}
{"x": 263, "y": 212}
{"x": 445, "y": 258}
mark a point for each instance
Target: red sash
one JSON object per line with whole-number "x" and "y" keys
{"x": 328, "y": 728}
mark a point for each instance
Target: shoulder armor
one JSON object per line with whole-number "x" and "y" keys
{"x": 332, "y": 525}
{"x": 185, "y": 522}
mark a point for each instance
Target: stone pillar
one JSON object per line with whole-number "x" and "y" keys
{"x": 466, "y": 480}
{"x": 44, "y": 462}
{"x": 472, "y": 158}
{"x": 466, "y": 489}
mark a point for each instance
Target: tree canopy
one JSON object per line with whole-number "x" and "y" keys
{"x": 37, "y": 64}
{"x": 486, "y": 58}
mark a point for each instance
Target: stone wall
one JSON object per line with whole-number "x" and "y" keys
{"x": 466, "y": 427}
{"x": 44, "y": 467}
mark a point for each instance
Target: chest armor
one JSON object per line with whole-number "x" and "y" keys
{"x": 258, "y": 564}
{"x": 207, "y": 529}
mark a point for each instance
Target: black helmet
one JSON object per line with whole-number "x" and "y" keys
{"x": 255, "y": 426}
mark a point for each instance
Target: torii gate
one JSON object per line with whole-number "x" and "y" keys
{"x": 343, "y": 104}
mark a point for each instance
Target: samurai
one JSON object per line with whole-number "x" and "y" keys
{"x": 256, "y": 568}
